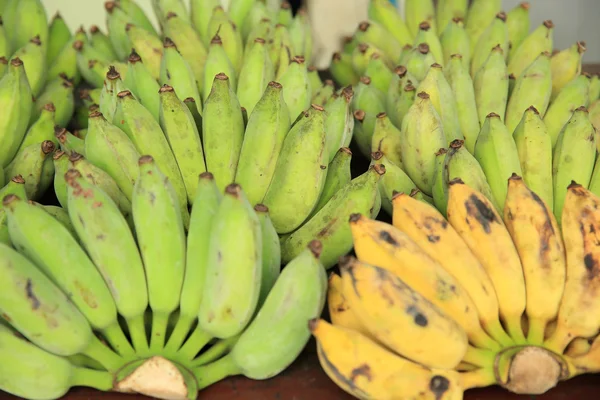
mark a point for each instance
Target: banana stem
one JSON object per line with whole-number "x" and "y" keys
{"x": 160, "y": 322}
{"x": 182, "y": 328}
{"x": 481, "y": 339}
{"x": 100, "y": 380}
{"x": 194, "y": 344}
{"x": 496, "y": 331}
{"x": 137, "y": 331}
{"x": 207, "y": 375}
{"x": 479, "y": 357}
{"x": 215, "y": 352}
{"x": 478, "y": 378}
{"x": 536, "y": 332}
{"x": 117, "y": 339}
{"x": 513, "y": 325}
{"x": 103, "y": 354}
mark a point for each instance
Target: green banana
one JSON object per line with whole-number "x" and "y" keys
{"x": 116, "y": 22}
{"x": 534, "y": 147}
{"x": 455, "y": 40}
{"x": 300, "y": 172}
{"x": 480, "y": 16}
{"x": 27, "y": 19}
{"x": 296, "y": 86}
{"x": 368, "y": 101}
{"x": 400, "y": 96}
{"x": 417, "y": 11}
{"x": 148, "y": 46}
{"x": 496, "y": 34}
{"x": 59, "y": 35}
{"x": 421, "y": 136}
{"x": 137, "y": 14}
{"x": 321, "y": 95}
{"x": 234, "y": 262}
{"x": 518, "y": 24}
{"x": 258, "y": 13}
{"x": 60, "y": 93}
{"x": 101, "y": 43}
{"x": 200, "y": 14}
{"x": 387, "y": 139}
{"x": 538, "y": 41}
{"x": 217, "y": 62}
{"x": 108, "y": 97}
{"x": 60, "y": 160}
{"x": 497, "y": 154}
{"x": 566, "y": 66}
{"x": 59, "y": 214}
{"x": 3, "y": 65}
{"x": 376, "y": 35}
{"x": 594, "y": 88}
{"x": 279, "y": 44}
{"x": 65, "y": 63}
{"x": 491, "y": 86}
{"x": 285, "y": 16}
{"x": 29, "y": 163}
{"x": 428, "y": 36}
{"x": 255, "y": 74}
{"x": 180, "y": 129}
{"x": 277, "y": 335}
{"x": 532, "y": 88}
{"x": 222, "y": 131}
{"x": 143, "y": 85}
{"x": 393, "y": 181}
{"x": 301, "y": 36}
{"x": 573, "y": 95}
{"x": 67, "y": 141}
{"x": 238, "y": 10}
{"x": 338, "y": 176}
{"x": 380, "y": 74}
{"x": 440, "y": 180}
{"x": 108, "y": 240}
{"x": 92, "y": 70}
{"x": 262, "y": 143}
{"x": 233, "y": 44}
{"x": 594, "y": 112}
{"x": 34, "y": 60}
{"x": 386, "y": 14}
{"x": 341, "y": 69}
{"x": 573, "y": 157}
{"x": 330, "y": 224}
{"x": 160, "y": 235}
{"x": 271, "y": 253}
{"x": 339, "y": 122}
{"x": 447, "y": 10}
{"x": 162, "y": 8}
{"x": 419, "y": 60}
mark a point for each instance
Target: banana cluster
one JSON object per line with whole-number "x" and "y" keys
{"x": 432, "y": 307}
{"x": 472, "y": 92}
{"x": 92, "y": 297}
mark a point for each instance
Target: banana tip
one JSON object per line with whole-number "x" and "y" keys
{"x": 207, "y": 175}
{"x": 261, "y": 208}
{"x": 233, "y": 189}
{"x": 423, "y": 48}
{"x": 316, "y": 248}
{"x": 424, "y": 26}
{"x": 379, "y": 169}
{"x": 376, "y": 155}
{"x": 145, "y": 159}
{"x": 574, "y": 185}
{"x": 124, "y": 93}
{"x": 456, "y": 181}
{"x": 9, "y": 199}
{"x": 47, "y": 146}
{"x": 18, "y": 179}
{"x": 355, "y": 217}
{"x": 313, "y": 324}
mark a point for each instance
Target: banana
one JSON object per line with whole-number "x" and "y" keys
{"x": 397, "y": 106}
{"x": 34, "y": 60}
{"x": 255, "y": 75}
{"x": 387, "y": 139}
{"x": 442, "y": 98}
{"x": 277, "y": 335}
{"x": 339, "y": 122}
{"x": 60, "y": 160}
{"x": 271, "y": 253}
{"x": 160, "y": 234}
{"x": 427, "y": 35}
{"x": 279, "y": 44}
{"x": 496, "y": 34}
{"x": 64, "y": 63}
{"x": 417, "y": 11}
{"x": 142, "y": 84}
{"x": 342, "y": 69}
{"x": 162, "y": 8}
{"x": 108, "y": 240}
{"x": 300, "y": 35}
{"x": 338, "y": 176}
{"x": 440, "y": 180}
{"x": 455, "y": 40}
{"x": 137, "y": 14}
{"x": 303, "y": 152}
{"x": 538, "y": 240}
{"x": 68, "y": 142}
{"x": 82, "y": 281}
{"x": 594, "y": 88}
{"x": 238, "y": 11}
{"x": 296, "y": 87}
{"x": 108, "y": 97}
{"x": 371, "y": 101}
{"x": 340, "y": 311}
{"x": 447, "y": 10}
{"x": 475, "y": 219}
{"x": 265, "y": 30}
{"x": 566, "y": 66}
{"x": 15, "y": 101}
{"x": 59, "y": 35}
{"x": 422, "y": 135}
{"x": 574, "y": 156}
{"x": 102, "y": 43}
{"x": 393, "y": 181}
{"x": 29, "y": 163}
{"x": 538, "y": 41}
{"x": 27, "y": 20}
{"x": 534, "y": 147}
{"x": 387, "y": 16}
{"x": 182, "y": 134}
{"x": 376, "y": 35}
{"x": 379, "y": 72}
{"x": 116, "y": 22}
{"x": 575, "y": 94}
{"x": 222, "y": 131}
{"x": 284, "y": 14}
{"x": 532, "y": 88}
{"x": 60, "y": 214}
{"x": 262, "y": 143}
{"x": 491, "y": 86}
{"x": 518, "y": 24}
{"x": 330, "y": 225}
{"x": 200, "y": 14}
{"x": 92, "y": 70}
{"x": 577, "y": 315}
{"x": 367, "y": 370}
{"x": 148, "y": 46}
{"x": 234, "y": 266}
{"x": 60, "y": 93}
{"x": 202, "y": 217}
{"x": 480, "y": 15}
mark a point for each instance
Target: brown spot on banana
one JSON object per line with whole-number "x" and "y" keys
{"x": 35, "y": 302}
{"x": 439, "y": 385}
{"x": 481, "y": 213}
{"x": 362, "y": 370}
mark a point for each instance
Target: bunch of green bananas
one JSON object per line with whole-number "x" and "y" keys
{"x": 470, "y": 92}
{"x": 91, "y": 297}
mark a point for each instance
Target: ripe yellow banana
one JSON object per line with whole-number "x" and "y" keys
{"x": 538, "y": 41}
{"x": 341, "y": 312}
{"x": 566, "y": 66}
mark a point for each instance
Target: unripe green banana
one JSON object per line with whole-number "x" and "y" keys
{"x": 440, "y": 181}
{"x": 189, "y": 44}
{"x": 29, "y": 163}
{"x": 200, "y": 13}
{"x": 419, "y": 60}
{"x": 518, "y": 24}
{"x": 370, "y": 101}
{"x": 59, "y": 214}
{"x": 26, "y": 20}
{"x": 496, "y": 34}
{"x": 376, "y": 35}
{"x": 15, "y": 102}
{"x": 262, "y": 143}
{"x": 447, "y": 10}
{"x": 422, "y": 135}
{"x": 231, "y": 36}
{"x": 108, "y": 97}
{"x": 60, "y": 93}
{"x": 108, "y": 240}
{"x": 538, "y": 41}
{"x": 342, "y": 70}
{"x": 400, "y": 95}
{"x": 303, "y": 153}
{"x": 110, "y": 149}
{"x": 386, "y": 14}
{"x": 142, "y": 84}
{"x": 322, "y": 95}
{"x": 191, "y": 105}
{"x": 296, "y": 87}
{"x": 3, "y": 65}
{"x": 535, "y": 153}
{"x": 256, "y": 73}
{"x": 574, "y": 156}
{"x": 258, "y": 13}
{"x": 161, "y": 237}
{"x": 532, "y": 88}
{"x": 92, "y": 70}
{"x": 417, "y": 11}
{"x": 217, "y": 62}
{"x": 338, "y": 176}
{"x": 566, "y": 66}
{"x": 491, "y": 86}
{"x": 279, "y": 42}
{"x": 387, "y": 139}
{"x": 176, "y": 72}
{"x": 238, "y": 10}
{"x": 284, "y": 15}
{"x": 65, "y": 63}
{"x": 301, "y": 36}
{"x": 428, "y": 35}
{"x": 101, "y": 43}
{"x": 59, "y": 35}
{"x": 455, "y": 40}
{"x": 278, "y": 334}
{"x": 480, "y": 16}
{"x": 116, "y": 22}
{"x": 180, "y": 129}
{"x": 60, "y": 160}
{"x": 148, "y": 46}
{"x": 162, "y": 8}
{"x": 330, "y": 224}
{"x": 222, "y": 131}
{"x": 68, "y": 142}
{"x": 266, "y": 30}
{"x": 594, "y": 185}
{"x": 137, "y": 14}
{"x": 594, "y": 112}
{"x": 442, "y": 98}
{"x": 497, "y": 154}
{"x": 379, "y": 72}
{"x": 271, "y": 253}
{"x": 232, "y": 262}
{"x": 594, "y": 88}
{"x": 361, "y": 56}
{"x": 393, "y": 181}
{"x": 573, "y": 95}
{"x": 339, "y": 122}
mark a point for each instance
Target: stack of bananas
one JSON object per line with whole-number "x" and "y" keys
{"x": 431, "y": 307}
{"x": 90, "y": 297}
{"x": 473, "y": 93}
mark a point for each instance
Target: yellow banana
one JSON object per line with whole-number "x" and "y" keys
{"x": 341, "y": 312}
{"x": 566, "y": 66}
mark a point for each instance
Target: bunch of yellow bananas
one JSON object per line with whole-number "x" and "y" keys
{"x": 432, "y": 307}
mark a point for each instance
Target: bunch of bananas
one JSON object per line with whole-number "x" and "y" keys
{"x": 90, "y": 297}
{"x": 466, "y": 92}
{"x": 432, "y": 307}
